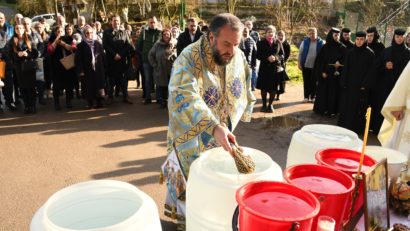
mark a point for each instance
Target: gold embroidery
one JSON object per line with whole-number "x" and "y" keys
{"x": 406, "y": 137}
{"x": 193, "y": 132}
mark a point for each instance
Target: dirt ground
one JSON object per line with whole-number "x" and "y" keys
{"x": 43, "y": 153}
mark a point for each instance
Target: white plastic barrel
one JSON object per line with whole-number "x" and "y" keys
{"x": 99, "y": 205}
{"x": 311, "y": 138}
{"x": 212, "y": 184}
{"x": 395, "y": 159}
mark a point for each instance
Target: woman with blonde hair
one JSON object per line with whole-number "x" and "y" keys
{"x": 161, "y": 56}
{"x": 271, "y": 56}
{"x": 23, "y": 52}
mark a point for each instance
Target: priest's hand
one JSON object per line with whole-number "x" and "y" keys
{"x": 398, "y": 115}
{"x": 222, "y": 135}
{"x": 389, "y": 65}
{"x": 324, "y": 75}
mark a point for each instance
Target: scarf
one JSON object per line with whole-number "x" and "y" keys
{"x": 270, "y": 41}
{"x": 90, "y": 43}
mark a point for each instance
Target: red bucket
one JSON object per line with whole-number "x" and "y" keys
{"x": 275, "y": 206}
{"x": 333, "y": 189}
{"x": 347, "y": 161}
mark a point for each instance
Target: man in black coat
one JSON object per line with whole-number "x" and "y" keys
{"x": 190, "y": 35}
{"x": 118, "y": 48}
{"x": 357, "y": 76}
{"x": 390, "y": 65}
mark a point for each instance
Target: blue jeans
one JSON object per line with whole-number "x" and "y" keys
{"x": 149, "y": 80}
{"x": 254, "y": 78}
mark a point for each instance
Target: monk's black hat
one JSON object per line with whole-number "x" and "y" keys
{"x": 346, "y": 30}
{"x": 334, "y": 30}
{"x": 371, "y": 29}
{"x": 361, "y": 34}
{"x": 399, "y": 31}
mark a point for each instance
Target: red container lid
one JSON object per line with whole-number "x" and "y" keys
{"x": 344, "y": 159}
{"x": 277, "y": 201}
{"x": 319, "y": 179}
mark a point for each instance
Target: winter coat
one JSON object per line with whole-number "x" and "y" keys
{"x": 184, "y": 39}
{"x": 161, "y": 58}
{"x": 94, "y": 74}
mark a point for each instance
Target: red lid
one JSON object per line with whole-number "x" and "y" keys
{"x": 319, "y": 179}
{"x": 344, "y": 159}
{"x": 277, "y": 201}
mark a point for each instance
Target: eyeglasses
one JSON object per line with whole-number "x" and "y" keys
{"x": 88, "y": 32}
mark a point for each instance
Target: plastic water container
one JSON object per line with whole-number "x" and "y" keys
{"x": 395, "y": 159}
{"x": 332, "y": 187}
{"x": 275, "y": 206}
{"x": 212, "y": 184}
{"x": 347, "y": 161}
{"x": 100, "y": 205}
{"x": 311, "y": 138}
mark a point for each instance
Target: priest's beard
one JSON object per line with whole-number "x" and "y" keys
{"x": 218, "y": 58}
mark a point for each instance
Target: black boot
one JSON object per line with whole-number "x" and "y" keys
{"x": 26, "y": 109}
{"x": 99, "y": 103}
{"x": 263, "y": 109}
{"x": 269, "y": 109}
{"x": 57, "y": 106}
{"x": 68, "y": 103}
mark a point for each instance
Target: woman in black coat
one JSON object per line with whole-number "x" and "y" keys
{"x": 283, "y": 75}
{"x": 23, "y": 53}
{"x": 90, "y": 67}
{"x": 60, "y": 46}
{"x": 271, "y": 56}
{"x": 327, "y": 70}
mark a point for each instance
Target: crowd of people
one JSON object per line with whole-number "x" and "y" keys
{"x": 340, "y": 76}
{"x": 84, "y": 61}
{"x": 344, "y": 78}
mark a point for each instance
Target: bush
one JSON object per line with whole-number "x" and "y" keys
{"x": 292, "y": 69}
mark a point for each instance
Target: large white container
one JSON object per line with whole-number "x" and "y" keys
{"x": 99, "y": 205}
{"x": 212, "y": 184}
{"x": 395, "y": 159}
{"x": 311, "y": 138}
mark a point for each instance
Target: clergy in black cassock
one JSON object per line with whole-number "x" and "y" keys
{"x": 390, "y": 65}
{"x": 327, "y": 70}
{"x": 356, "y": 79}
{"x": 345, "y": 38}
{"x": 372, "y": 38}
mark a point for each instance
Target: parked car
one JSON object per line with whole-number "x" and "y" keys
{"x": 49, "y": 18}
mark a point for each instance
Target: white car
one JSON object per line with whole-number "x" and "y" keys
{"x": 49, "y": 18}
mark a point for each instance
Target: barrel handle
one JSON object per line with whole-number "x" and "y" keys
{"x": 295, "y": 226}
{"x": 235, "y": 219}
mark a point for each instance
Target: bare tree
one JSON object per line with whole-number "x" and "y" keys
{"x": 231, "y": 6}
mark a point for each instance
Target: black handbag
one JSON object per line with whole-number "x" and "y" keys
{"x": 28, "y": 65}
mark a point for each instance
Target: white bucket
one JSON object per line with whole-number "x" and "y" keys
{"x": 395, "y": 159}
{"x": 99, "y": 205}
{"x": 314, "y": 137}
{"x": 212, "y": 184}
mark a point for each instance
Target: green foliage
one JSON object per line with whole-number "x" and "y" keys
{"x": 292, "y": 65}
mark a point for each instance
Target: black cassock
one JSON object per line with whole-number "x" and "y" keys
{"x": 357, "y": 77}
{"x": 327, "y": 92}
{"x": 386, "y": 79}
